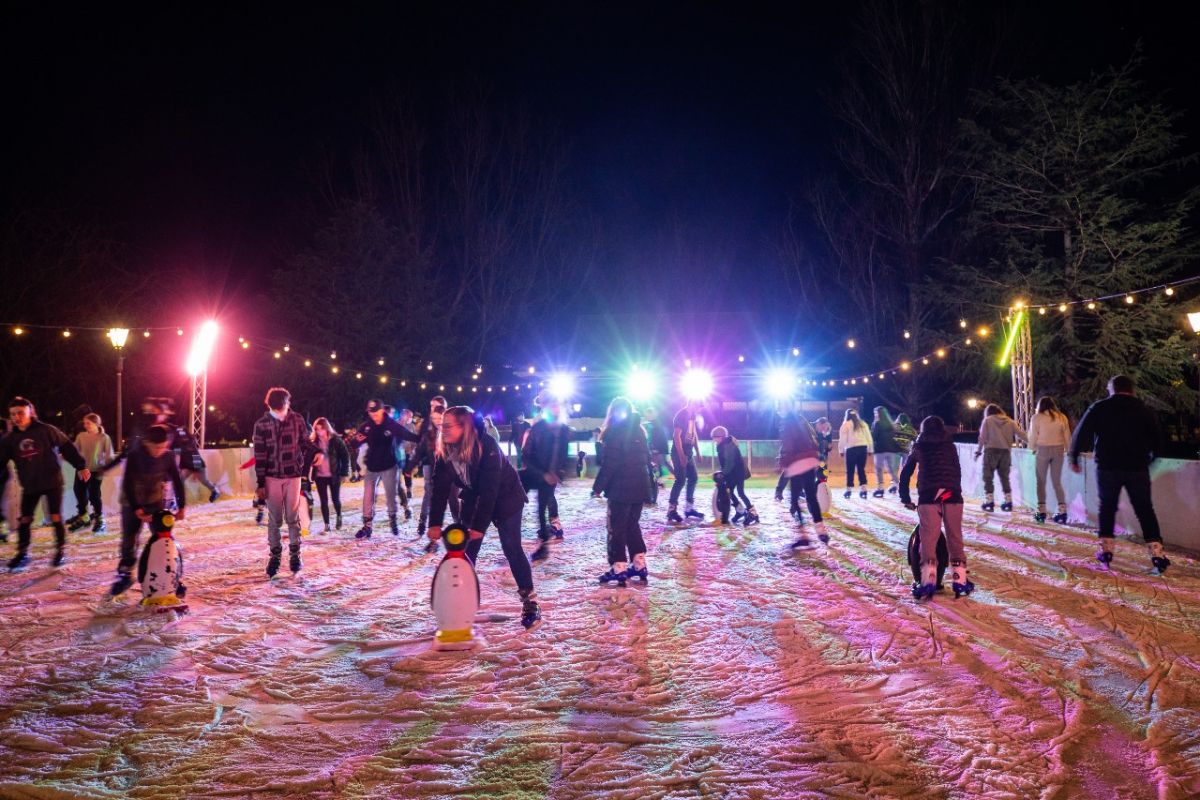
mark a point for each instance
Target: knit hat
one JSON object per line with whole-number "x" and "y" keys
{"x": 719, "y": 432}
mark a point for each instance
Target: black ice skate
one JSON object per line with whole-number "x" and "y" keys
{"x": 1158, "y": 558}
{"x": 273, "y": 564}
{"x": 619, "y": 576}
{"x": 877, "y": 493}
{"x": 59, "y": 558}
{"x": 1006, "y": 505}
{"x": 1039, "y": 516}
{"x": 1060, "y": 518}
{"x": 121, "y": 584}
{"x": 531, "y": 615}
{"x": 363, "y": 533}
{"x": 674, "y": 518}
{"x": 294, "y": 561}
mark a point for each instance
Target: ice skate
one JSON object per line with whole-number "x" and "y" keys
{"x": 692, "y": 513}
{"x": 1158, "y": 558}
{"x": 877, "y": 493}
{"x": 1061, "y": 516}
{"x": 928, "y": 585}
{"x": 1007, "y": 505}
{"x": 364, "y": 532}
{"x": 802, "y": 542}
{"x": 60, "y": 557}
{"x": 846, "y": 494}
{"x": 121, "y": 584}
{"x": 1105, "y": 555}
{"x": 338, "y": 523}
{"x": 273, "y": 565}
{"x": 541, "y": 553}
{"x": 989, "y": 504}
{"x": 212, "y": 497}
{"x": 674, "y": 518}
{"x": 822, "y": 533}
{"x": 638, "y": 568}
{"x": 98, "y": 526}
{"x": 258, "y": 517}
{"x": 71, "y": 522}
{"x": 893, "y": 489}
{"x": 431, "y": 547}
{"x": 751, "y": 517}
{"x": 1039, "y": 516}
{"x": 556, "y": 531}
{"x": 394, "y": 524}
{"x": 862, "y": 494}
{"x": 81, "y": 522}
{"x": 407, "y": 513}
{"x": 779, "y": 497}
{"x": 616, "y": 573}
{"x": 738, "y": 517}
{"x": 959, "y": 581}
{"x": 294, "y": 561}
{"x": 531, "y": 615}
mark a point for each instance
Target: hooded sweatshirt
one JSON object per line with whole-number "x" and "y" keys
{"x": 35, "y": 451}
{"x": 938, "y": 459}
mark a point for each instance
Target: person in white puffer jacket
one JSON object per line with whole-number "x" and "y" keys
{"x": 855, "y": 444}
{"x": 1049, "y": 436}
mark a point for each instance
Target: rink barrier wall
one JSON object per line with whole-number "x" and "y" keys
{"x": 1176, "y": 485}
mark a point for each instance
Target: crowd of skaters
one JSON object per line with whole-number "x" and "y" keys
{"x": 457, "y": 453}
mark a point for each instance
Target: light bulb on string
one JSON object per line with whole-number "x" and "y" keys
{"x": 380, "y": 362}
{"x": 287, "y": 348}
{"x": 1129, "y": 299}
{"x": 796, "y": 351}
{"x": 334, "y": 370}
{"x": 18, "y": 330}
{"x": 403, "y": 384}
{"x": 278, "y": 354}
{"x": 904, "y": 365}
{"x": 241, "y": 339}
{"x": 146, "y": 334}
{"x": 429, "y": 366}
{"x": 925, "y": 361}
{"x": 962, "y": 323}
{"x": 245, "y": 345}
{"x": 741, "y": 359}
{"x": 1091, "y": 306}
{"x": 179, "y": 331}
{"x": 358, "y": 376}
{"x": 1170, "y": 292}
{"x": 851, "y": 344}
{"x": 333, "y": 356}
{"x": 1042, "y": 311}
{"x": 66, "y": 334}
{"x": 307, "y": 362}
{"x": 908, "y": 334}
{"x": 941, "y": 352}
{"x": 1062, "y": 307}
{"x": 383, "y": 378}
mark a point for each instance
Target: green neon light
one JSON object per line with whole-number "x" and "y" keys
{"x": 1012, "y": 338}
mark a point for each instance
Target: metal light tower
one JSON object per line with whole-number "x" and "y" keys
{"x": 197, "y": 367}
{"x": 1018, "y": 352}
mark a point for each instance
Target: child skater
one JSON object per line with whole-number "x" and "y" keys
{"x": 733, "y": 467}
{"x": 939, "y": 504}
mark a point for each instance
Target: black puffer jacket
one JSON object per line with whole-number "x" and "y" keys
{"x": 938, "y": 458}
{"x": 545, "y": 448}
{"x": 732, "y": 463}
{"x": 625, "y": 475}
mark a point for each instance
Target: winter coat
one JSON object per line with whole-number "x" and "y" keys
{"x": 997, "y": 432}
{"x": 494, "y": 491}
{"x": 656, "y": 436}
{"x": 144, "y": 477}
{"x": 282, "y": 449}
{"x": 851, "y": 435}
{"x": 35, "y": 452}
{"x": 545, "y": 448}
{"x": 937, "y": 457}
{"x": 625, "y": 475}
{"x": 732, "y": 463}
{"x": 1122, "y": 432}
{"x": 884, "y": 437}
{"x": 1049, "y": 430}
{"x": 337, "y": 456}
{"x": 383, "y": 441}
{"x": 797, "y": 440}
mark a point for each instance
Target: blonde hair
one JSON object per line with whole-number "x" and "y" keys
{"x": 470, "y": 447}
{"x": 94, "y": 419}
{"x": 312, "y": 436}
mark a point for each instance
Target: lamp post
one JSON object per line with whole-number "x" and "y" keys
{"x": 118, "y": 337}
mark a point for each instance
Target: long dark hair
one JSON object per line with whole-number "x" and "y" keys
{"x": 1046, "y": 405}
{"x": 853, "y": 418}
{"x": 619, "y": 410}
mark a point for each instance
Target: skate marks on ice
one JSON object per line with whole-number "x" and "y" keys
{"x": 733, "y": 674}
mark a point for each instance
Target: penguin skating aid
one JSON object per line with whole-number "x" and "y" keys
{"x": 454, "y": 595}
{"x": 160, "y": 569}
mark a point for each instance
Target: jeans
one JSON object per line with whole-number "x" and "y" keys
{"x": 932, "y": 522}
{"x": 201, "y": 473}
{"x": 807, "y": 481}
{"x": 997, "y": 459}
{"x": 1050, "y": 459}
{"x": 327, "y": 488}
{"x": 685, "y": 474}
{"x": 29, "y": 503}
{"x": 856, "y": 462}
{"x": 370, "y": 480}
{"x": 624, "y": 533}
{"x": 890, "y": 462}
{"x": 1137, "y": 484}
{"x": 283, "y": 504}
{"x": 509, "y": 529}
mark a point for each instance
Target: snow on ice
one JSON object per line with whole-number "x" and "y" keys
{"x": 740, "y": 671}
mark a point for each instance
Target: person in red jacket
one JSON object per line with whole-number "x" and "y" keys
{"x": 799, "y": 459}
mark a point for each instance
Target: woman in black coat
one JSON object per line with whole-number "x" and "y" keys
{"x": 491, "y": 494}
{"x": 626, "y": 480}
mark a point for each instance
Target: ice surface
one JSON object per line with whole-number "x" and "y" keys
{"x": 740, "y": 671}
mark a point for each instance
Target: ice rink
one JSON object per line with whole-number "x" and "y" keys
{"x": 740, "y": 671}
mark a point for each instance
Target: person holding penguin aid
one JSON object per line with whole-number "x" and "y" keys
{"x": 939, "y": 504}
{"x": 491, "y": 494}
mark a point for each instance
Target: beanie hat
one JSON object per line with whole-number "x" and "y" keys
{"x": 719, "y": 431}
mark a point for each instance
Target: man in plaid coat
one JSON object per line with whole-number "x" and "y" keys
{"x": 283, "y": 453}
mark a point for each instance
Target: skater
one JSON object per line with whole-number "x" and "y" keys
{"x": 410, "y": 448}
{"x": 887, "y": 449}
{"x": 516, "y": 436}
{"x": 148, "y": 468}
{"x": 471, "y": 460}
{"x": 939, "y": 504}
{"x": 1049, "y": 436}
{"x": 353, "y": 445}
{"x": 425, "y": 456}
{"x": 332, "y": 469}
{"x": 855, "y": 444}
{"x": 625, "y": 479}
{"x": 904, "y": 434}
{"x": 34, "y": 447}
{"x": 283, "y": 453}
{"x": 97, "y": 450}
{"x": 656, "y": 435}
{"x": 824, "y": 432}
{"x": 735, "y": 473}
{"x": 1125, "y": 437}
{"x": 995, "y": 445}
{"x": 581, "y": 464}
{"x": 545, "y": 458}
{"x": 799, "y": 453}
{"x": 401, "y": 460}
{"x": 191, "y": 463}
{"x": 684, "y": 449}
{"x": 382, "y": 436}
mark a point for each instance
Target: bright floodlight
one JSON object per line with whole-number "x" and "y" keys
{"x": 1194, "y": 321}
{"x": 202, "y": 347}
{"x": 696, "y": 384}
{"x": 118, "y": 337}
{"x": 781, "y": 383}
{"x": 641, "y": 385}
{"x": 561, "y": 386}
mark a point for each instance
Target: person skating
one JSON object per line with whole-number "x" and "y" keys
{"x": 516, "y": 436}
{"x": 425, "y": 456}
{"x": 887, "y": 450}
{"x": 904, "y": 434}
{"x": 996, "y": 436}
{"x": 470, "y": 460}
{"x": 149, "y": 466}
{"x": 97, "y": 450}
{"x": 1125, "y": 437}
{"x": 331, "y": 471}
{"x": 545, "y": 457}
{"x": 735, "y": 473}
{"x": 799, "y": 453}
{"x": 35, "y": 447}
{"x": 684, "y": 449}
{"x": 381, "y": 434}
{"x": 401, "y": 460}
{"x": 939, "y": 504}
{"x": 656, "y": 435}
{"x": 410, "y": 449}
{"x": 855, "y": 444}
{"x": 1049, "y": 436}
{"x": 626, "y": 480}
{"x": 191, "y": 463}
{"x": 353, "y": 446}
{"x": 283, "y": 453}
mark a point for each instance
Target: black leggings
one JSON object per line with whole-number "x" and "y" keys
{"x": 808, "y": 482}
{"x": 547, "y": 505}
{"x": 86, "y": 491}
{"x": 29, "y": 502}
{"x": 624, "y": 533}
{"x": 856, "y": 460}
{"x": 329, "y": 488}
{"x": 738, "y": 489}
